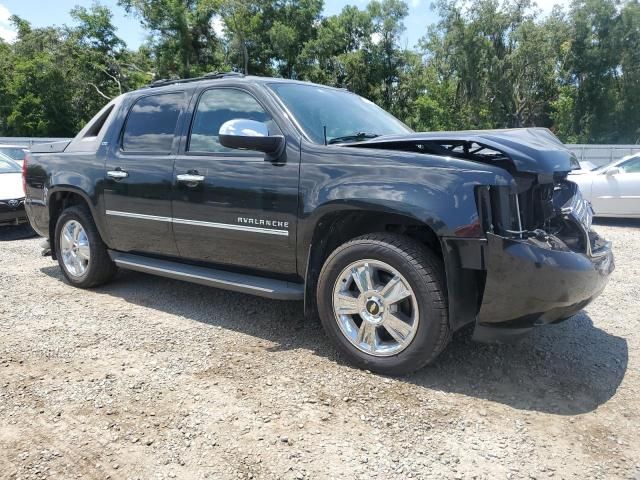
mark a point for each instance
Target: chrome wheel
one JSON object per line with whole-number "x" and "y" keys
{"x": 74, "y": 248}
{"x": 375, "y": 308}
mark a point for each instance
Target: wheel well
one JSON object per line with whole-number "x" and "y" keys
{"x": 334, "y": 230}
{"x": 59, "y": 202}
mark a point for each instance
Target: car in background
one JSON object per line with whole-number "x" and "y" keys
{"x": 613, "y": 189}
{"x": 585, "y": 167}
{"x": 11, "y": 192}
{"x": 15, "y": 152}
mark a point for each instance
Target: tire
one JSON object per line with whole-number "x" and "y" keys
{"x": 97, "y": 268}
{"x": 414, "y": 269}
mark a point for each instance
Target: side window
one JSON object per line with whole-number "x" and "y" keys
{"x": 151, "y": 124}
{"x": 218, "y": 106}
{"x": 98, "y": 123}
{"x": 631, "y": 166}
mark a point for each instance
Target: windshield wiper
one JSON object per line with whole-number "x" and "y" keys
{"x": 356, "y": 137}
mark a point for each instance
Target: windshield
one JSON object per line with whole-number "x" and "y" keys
{"x": 617, "y": 163}
{"x": 17, "y": 153}
{"x": 8, "y": 166}
{"x": 346, "y": 116}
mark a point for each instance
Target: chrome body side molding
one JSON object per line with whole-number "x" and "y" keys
{"x": 184, "y": 221}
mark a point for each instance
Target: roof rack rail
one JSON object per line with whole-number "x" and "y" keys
{"x": 209, "y": 76}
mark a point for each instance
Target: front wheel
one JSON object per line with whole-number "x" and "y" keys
{"x": 81, "y": 253}
{"x": 382, "y": 300}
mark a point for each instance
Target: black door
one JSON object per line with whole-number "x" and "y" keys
{"x": 234, "y": 208}
{"x": 139, "y": 176}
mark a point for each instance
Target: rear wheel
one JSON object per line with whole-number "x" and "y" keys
{"x": 382, "y": 299}
{"x": 81, "y": 253}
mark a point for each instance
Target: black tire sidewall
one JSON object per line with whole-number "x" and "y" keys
{"x": 427, "y": 339}
{"x": 95, "y": 242}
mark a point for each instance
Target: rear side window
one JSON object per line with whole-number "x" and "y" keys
{"x": 152, "y": 122}
{"x": 98, "y": 123}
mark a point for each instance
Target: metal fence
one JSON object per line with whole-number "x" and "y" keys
{"x": 596, "y": 154}
{"x": 27, "y": 142}
{"x": 602, "y": 154}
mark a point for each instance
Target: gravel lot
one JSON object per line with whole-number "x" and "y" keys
{"x": 154, "y": 378}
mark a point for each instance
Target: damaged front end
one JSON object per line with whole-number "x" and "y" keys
{"x": 536, "y": 259}
{"x": 543, "y": 262}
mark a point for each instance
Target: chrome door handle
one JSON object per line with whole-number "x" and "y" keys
{"x": 117, "y": 174}
{"x": 190, "y": 178}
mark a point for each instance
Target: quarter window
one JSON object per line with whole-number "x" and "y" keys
{"x": 151, "y": 124}
{"x": 218, "y": 106}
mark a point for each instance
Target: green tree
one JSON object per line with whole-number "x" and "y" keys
{"x": 182, "y": 39}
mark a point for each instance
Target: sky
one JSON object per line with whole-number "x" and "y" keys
{"x": 56, "y": 12}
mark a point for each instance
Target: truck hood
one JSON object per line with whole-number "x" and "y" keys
{"x": 531, "y": 150}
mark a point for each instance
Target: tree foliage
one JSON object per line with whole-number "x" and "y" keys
{"x": 484, "y": 64}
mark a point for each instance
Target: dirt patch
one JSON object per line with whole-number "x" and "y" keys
{"x": 154, "y": 378}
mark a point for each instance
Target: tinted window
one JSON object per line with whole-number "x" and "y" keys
{"x": 151, "y": 124}
{"x": 631, "y": 166}
{"x": 218, "y": 106}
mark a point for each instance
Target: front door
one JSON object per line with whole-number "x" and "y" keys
{"x": 618, "y": 194}
{"x": 232, "y": 207}
{"x": 139, "y": 176}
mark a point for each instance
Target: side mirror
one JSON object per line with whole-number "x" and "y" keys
{"x": 245, "y": 134}
{"x": 612, "y": 171}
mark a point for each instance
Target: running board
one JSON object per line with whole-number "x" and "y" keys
{"x": 262, "y": 287}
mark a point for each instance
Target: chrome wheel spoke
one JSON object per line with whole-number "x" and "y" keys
{"x": 397, "y": 328}
{"x": 77, "y": 264}
{"x": 74, "y": 248}
{"x": 362, "y": 275}
{"x": 380, "y": 320}
{"x": 367, "y": 335}
{"x": 77, "y": 229}
{"x": 66, "y": 241}
{"x": 395, "y": 291}
{"x": 84, "y": 251}
{"x": 346, "y": 304}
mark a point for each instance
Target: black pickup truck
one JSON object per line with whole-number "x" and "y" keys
{"x": 296, "y": 191}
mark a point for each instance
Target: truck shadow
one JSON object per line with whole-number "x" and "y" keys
{"x": 565, "y": 369}
{"x": 617, "y": 222}
{"x": 16, "y": 232}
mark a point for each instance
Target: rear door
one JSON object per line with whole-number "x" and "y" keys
{"x": 139, "y": 175}
{"x": 241, "y": 211}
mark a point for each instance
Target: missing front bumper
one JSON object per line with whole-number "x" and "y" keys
{"x": 529, "y": 285}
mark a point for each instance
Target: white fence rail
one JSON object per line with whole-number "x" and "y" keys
{"x": 27, "y": 142}
{"x": 602, "y": 154}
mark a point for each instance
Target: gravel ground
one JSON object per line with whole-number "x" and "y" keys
{"x": 154, "y": 378}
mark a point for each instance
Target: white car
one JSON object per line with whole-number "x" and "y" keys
{"x": 11, "y": 192}
{"x": 614, "y": 189}
{"x": 585, "y": 167}
{"x": 15, "y": 152}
